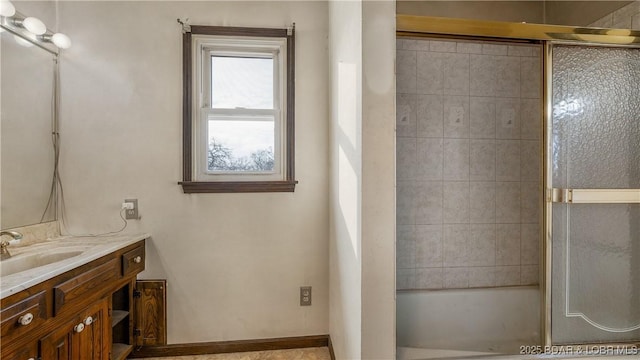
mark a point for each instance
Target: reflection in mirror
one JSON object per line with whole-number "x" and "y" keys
{"x": 26, "y": 123}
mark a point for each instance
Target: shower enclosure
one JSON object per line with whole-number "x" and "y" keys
{"x": 588, "y": 198}
{"x": 593, "y": 175}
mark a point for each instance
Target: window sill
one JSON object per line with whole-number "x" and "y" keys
{"x": 192, "y": 187}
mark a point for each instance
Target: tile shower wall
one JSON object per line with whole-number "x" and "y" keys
{"x": 468, "y": 129}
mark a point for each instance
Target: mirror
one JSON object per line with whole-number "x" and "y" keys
{"x": 26, "y": 122}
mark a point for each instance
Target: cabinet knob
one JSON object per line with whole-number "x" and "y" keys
{"x": 25, "y": 319}
{"x": 137, "y": 259}
{"x": 88, "y": 321}
{"x": 31, "y": 359}
{"x": 78, "y": 328}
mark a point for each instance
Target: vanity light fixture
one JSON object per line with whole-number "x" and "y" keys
{"x": 7, "y": 9}
{"x": 30, "y": 28}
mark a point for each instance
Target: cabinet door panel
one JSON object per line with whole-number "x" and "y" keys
{"x": 72, "y": 343}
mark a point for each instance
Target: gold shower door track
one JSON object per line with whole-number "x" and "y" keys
{"x": 428, "y": 26}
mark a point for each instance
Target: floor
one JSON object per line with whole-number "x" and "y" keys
{"x": 320, "y": 353}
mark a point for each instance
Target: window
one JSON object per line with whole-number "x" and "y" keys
{"x": 238, "y": 111}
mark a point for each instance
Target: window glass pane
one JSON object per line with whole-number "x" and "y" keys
{"x": 246, "y": 145}
{"x": 238, "y": 82}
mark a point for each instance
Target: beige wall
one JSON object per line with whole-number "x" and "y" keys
{"x": 513, "y": 11}
{"x": 234, "y": 262}
{"x": 362, "y": 296}
{"x": 378, "y": 180}
{"x": 579, "y": 13}
{"x": 345, "y": 63}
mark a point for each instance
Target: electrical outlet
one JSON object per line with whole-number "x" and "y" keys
{"x": 305, "y": 295}
{"x": 131, "y": 214}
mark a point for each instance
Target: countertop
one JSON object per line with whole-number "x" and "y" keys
{"x": 91, "y": 248}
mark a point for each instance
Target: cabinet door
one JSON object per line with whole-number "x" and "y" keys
{"x": 26, "y": 352}
{"x": 85, "y": 337}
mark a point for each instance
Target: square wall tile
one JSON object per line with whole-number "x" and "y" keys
{"x": 429, "y": 202}
{"x": 429, "y": 279}
{"x": 529, "y": 275}
{"x": 531, "y": 195}
{"x": 456, "y": 239}
{"x": 469, "y": 47}
{"x": 507, "y": 275}
{"x": 405, "y": 279}
{"x": 482, "y": 160}
{"x": 430, "y": 72}
{"x": 482, "y": 245}
{"x": 508, "y": 202}
{"x": 530, "y": 160}
{"x": 406, "y": 204}
{"x": 430, "y": 116}
{"x": 507, "y": 76}
{"x": 482, "y": 202}
{"x": 482, "y": 118}
{"x": 456, "y": 202}
{"x": 456, "y": 117}
{"x": 406, "y": 115}
{"x": 482, "y": 75}
{"x": 530, "y": 119}
{"x": 412, "y": 44}
{"x": 507, "y": 160}
{"x": 531, "y": 70}
{"x": 406, "y": 71}
{"x": 508, "y": 248}
{"x": 530, "y": 239}
{"x": 507, "y": 118}
{"x": 456, "y": 159}
{"x": 430, "y": 159}
{"x": 520, "y": 50}
{"x": 429, "y": 244}
{"x": 456, "y": 278}
{"x": 405, "y": 246}
{"x": 406, "y": 158}
{"x": 494, "y": 49}
{"x": 482, "y": 276}
{"x": 456, "y": 74}
{"x": 442, "y": 46}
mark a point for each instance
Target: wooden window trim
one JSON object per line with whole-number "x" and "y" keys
{"x": 188, "y": 183}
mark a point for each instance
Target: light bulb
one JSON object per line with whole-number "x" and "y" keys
{"x": 7, "y": 9}
{"x": 34, "y": 25}
{"x": 61, "y": 40}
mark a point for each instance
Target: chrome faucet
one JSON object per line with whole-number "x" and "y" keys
{"x": 4, "y": 252}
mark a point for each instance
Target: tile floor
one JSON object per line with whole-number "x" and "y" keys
{"x": 320, "y": 353}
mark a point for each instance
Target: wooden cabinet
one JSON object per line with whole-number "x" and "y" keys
{"x": 83, "y": 314}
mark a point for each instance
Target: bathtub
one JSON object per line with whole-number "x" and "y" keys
{"x": 467, "y": 322}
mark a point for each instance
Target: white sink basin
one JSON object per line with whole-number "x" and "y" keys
{"x": 29, "y": 261}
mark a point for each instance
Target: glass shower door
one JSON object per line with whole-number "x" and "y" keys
{"x": 594, "y": 186}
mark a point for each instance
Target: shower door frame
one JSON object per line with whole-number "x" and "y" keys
{"x": 548, "y": 36}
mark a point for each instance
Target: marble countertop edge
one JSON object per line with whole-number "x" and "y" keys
{"x": 96, "y": 247}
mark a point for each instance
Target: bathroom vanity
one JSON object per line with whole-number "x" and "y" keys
{"x": 78, "y": 307}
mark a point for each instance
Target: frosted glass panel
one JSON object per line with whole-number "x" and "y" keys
{"x": 596, "y": 145}
{"x": 596, "y": 117}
